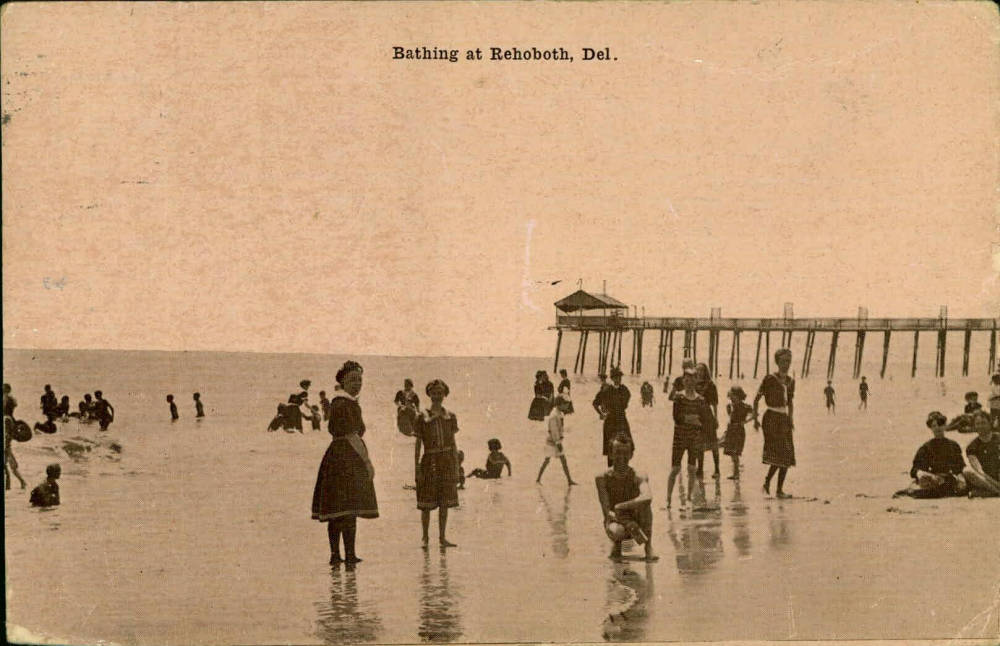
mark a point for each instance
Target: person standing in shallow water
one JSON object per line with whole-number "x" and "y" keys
{"x": 831, "y": 398}
{"x": 436, "y": 470}
{"x": 344, "y": 488}
{"x": 863, "y": 390}
{"x": 610, "y": 404}
{"x": 173, "y": 408}
{"x": 565, "y": 389}
{"x": 407, "y": 408}
{"x": 199, "y": 408}
{"x": 103, "y": 411}
{"x": 778, "y": 392}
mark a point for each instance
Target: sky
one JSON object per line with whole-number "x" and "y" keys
{"x": 264, "y": 177}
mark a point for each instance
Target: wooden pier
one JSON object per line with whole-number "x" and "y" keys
{"x": 608, "y": 318}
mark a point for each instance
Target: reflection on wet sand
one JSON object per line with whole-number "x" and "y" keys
{"x": 629, "y": 602}
{"x": 440, "y": 615}
{"x": 555, "y": 513}
{"x": 343, "y": 618}
{"x": 738, "y": 515}
{"x": 777, "y": 523}
{"x": 696, "y": 535}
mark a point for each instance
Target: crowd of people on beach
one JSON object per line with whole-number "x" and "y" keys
{"x": 344, "y": 489}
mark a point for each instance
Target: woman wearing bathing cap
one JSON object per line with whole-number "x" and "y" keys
{"x": 436, "y": 462}
{"x": 778, "y": 392}
{"x": 344, "y": 486}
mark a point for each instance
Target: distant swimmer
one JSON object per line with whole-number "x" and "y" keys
{"x": 199, "y": 408}
{"x": 103, "y": 411}
{"x": 831, "y": 398}
{"x": 62, "y": 409}
{"x": 938, "y": 464}
{"x": 626, "y": 501}
{"x": 983, "y": 472}
{"x": 646, "y": 392}
{"x": 495, "y": 462}
{"x": 863, "y": 390}
{"x": 564, "y": 389}
{"x": 407, "y": 408}
{"x": 85, "y": 409}
{"x": 173, "y": 409}
{"x": 554, "y": 439}
{"x": 48, "y": 402}
{"x": 47, "y": 493}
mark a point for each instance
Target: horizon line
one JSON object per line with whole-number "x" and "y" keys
{"x": 329, "y": 354}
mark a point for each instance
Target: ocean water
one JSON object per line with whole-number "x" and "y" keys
{"x": 200, "y": 532}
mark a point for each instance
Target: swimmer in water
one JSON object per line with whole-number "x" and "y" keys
{"x": 47, "y": 493}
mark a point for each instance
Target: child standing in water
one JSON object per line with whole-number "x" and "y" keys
{"x": 9, "y": 461}
{"x": 173, "y": 409}
{"x": 495, "y": 463}
{"x": 199, "y": 409}
{"x": 554, "y": 438}
{"x": 315, "y": 418}
{"x": 735, "y": 437}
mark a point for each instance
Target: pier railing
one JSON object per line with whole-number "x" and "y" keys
{"x": 576, "y": 322}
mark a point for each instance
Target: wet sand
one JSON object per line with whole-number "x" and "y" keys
{"x": 199, "y": 532}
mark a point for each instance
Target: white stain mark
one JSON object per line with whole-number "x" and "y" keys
{"x": 673, "y": 211}
{"x": 791, "y": 617}
{"x": 527, "y": 286}
{"x": 985, "y": 622}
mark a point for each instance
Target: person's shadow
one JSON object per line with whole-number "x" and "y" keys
{"x": 343, "y": 619}
{"x": 440, "y": 614}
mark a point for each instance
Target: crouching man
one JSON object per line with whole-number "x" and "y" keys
{"x": 626, "y": 501}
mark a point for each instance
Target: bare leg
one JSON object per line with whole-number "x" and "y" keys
{"x": 425, "y": 521}
{"x": 767, "y": 480}
{"x": 545, "y": 463}
{"x": 566, "y": 470}
{"x": 442, "y": 525}
{"x": 13, "y": 467}
{"x": 671, "y": 479}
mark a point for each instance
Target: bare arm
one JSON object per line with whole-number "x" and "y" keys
{"x": 416, "y": 456}
{"x": 644, "y": 495}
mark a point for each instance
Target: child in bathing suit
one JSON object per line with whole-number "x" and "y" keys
{"x": 495, "y": 463}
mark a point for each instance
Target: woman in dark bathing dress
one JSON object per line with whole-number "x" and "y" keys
{"x": 541, "y": 405}
{"x": 778, "y": 392}
{"x": 344, "y": 487}
{"x": 610, "y": 404}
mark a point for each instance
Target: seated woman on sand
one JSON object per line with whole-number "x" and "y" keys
{"x": 983, "y": 472}
{"x": 626, "y": 501}
{"x": 937, "y": 466}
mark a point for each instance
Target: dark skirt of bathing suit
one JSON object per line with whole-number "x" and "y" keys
{"x": 344, "y": 486}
